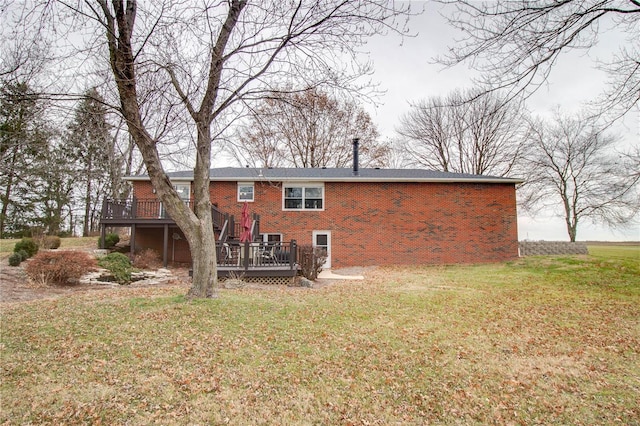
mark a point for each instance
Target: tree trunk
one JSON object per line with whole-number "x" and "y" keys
{"x": 197, "y": 226}
{"x": 5, "y": 203}
{"x": 7, "y": 193}
{"x": 87, "y": 205}
{"x": 203, "y": 253}
{"x": 572, "y": 228}
{"x": 203, "y": 257}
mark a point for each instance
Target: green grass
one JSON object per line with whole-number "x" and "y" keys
{"x": 615, "y": 251}
{"x": 7, "y": 245}
{"x": 536, "y": 341}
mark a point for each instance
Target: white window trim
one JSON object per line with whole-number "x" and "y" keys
{"x": 188, "y": 185}
{"x": 162, "y": 213}
{"x": 303, "y": 185}
{"x": 265, "y": 236}
{"x": 251, "y": 184}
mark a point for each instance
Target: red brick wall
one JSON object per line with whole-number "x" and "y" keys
{"x": 392, "y": 223}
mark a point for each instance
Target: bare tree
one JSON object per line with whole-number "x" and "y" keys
{"x": 631, "y": 161}
{"x": 203, "y": 62}
{"x": 465, "y": 133}
{"x": 23, "y": 52}
{"x": 515, "y": 44}
{"x": 573, "y": 172}
{"x": 308, "y": 129}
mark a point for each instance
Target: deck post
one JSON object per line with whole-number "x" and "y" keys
{"x": 104, "y": 208}
{"x": 294, "y": 254}
{"x": 103, "y": 234}
{"x": 245, "y": 260}
{"x": 165, "y": 245}
{"x": 132, "y": 240}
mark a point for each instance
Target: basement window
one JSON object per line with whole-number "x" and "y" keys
{"x": 303, "y": 197}
{"x": 271, "y": 238}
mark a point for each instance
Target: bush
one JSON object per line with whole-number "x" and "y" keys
{"x": 110, "y": 240}
{"x": 23, "y": 255}
{"x": 15, "y": 259}
{"x": 147, "y": 259}
{"x": 119, "y": 266}
{"x": 60, "y": 267}
{"x": 51, "y": 242}
{"x": 28, "y": 245}
{"x": 311, "y": 260}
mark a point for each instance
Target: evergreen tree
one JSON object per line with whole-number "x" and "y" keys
{"x": 23, "y": 141}
{"x": 92, "y": 148}
{"x": 54, "y": 197}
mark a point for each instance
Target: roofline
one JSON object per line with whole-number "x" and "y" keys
{"x": 342, "y": 179}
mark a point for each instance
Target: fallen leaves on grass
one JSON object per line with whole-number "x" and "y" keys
{"x": 510, "y": 344}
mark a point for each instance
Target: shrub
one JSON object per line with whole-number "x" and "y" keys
{"x": 28, "y": 245}
{"x": 51, "y": 242}
{"x": 147, "y": 259}
{"x": 119, "y": 266}
{"x": 15, "y": 259}
{"x": 110, "y": 240}
{"x": 23, "y": 255}
{"x": 311, "y": 260}
{"x": 37, "y": 234}
{"x": 60, "y": 267}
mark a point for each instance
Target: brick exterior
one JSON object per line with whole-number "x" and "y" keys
{"x": 385, "y": 223}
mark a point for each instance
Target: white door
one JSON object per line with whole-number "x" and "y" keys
{"x": 322, "y": 240}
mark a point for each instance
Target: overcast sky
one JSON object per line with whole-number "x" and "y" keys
{"x": 405, "y": 70}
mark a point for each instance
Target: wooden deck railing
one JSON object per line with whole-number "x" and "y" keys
{"x": 257, "y": 255}
{"x": 147, "y": 209}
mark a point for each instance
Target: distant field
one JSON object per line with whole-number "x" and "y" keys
{"x": 619, "y": 251}
{"x": 540, "y": 340}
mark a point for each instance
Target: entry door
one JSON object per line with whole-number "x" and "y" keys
{"x": 322, "y": 240}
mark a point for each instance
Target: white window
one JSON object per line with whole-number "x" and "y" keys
{"x": 184, "y": 192}
{"x": 245, "y": 191}
{"x": 303, "y": 197}
{"x": 271, "y": 238}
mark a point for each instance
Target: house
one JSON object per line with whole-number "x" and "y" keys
{"x": 359, "y": 216}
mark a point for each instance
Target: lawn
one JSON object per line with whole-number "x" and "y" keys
{"x": 7, "y": 245}
{"x": 535, "y": 341}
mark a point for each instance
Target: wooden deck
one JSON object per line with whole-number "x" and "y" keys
{"x": 256, "y": 271}
{"x": 257, "y": 259}
{"x": 249, "y": 259}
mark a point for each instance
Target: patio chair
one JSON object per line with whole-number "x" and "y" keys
{"x": 224, "y": 253}
{"x": 268, "y": 254}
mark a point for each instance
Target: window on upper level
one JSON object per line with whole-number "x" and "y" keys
{"x": 303, "y": 197}
{"x": 245, "y": 191}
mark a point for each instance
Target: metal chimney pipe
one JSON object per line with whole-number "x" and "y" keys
{"x": 356, "y": 142}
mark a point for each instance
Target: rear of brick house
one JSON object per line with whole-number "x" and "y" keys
{"x": 364, "y": 217}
